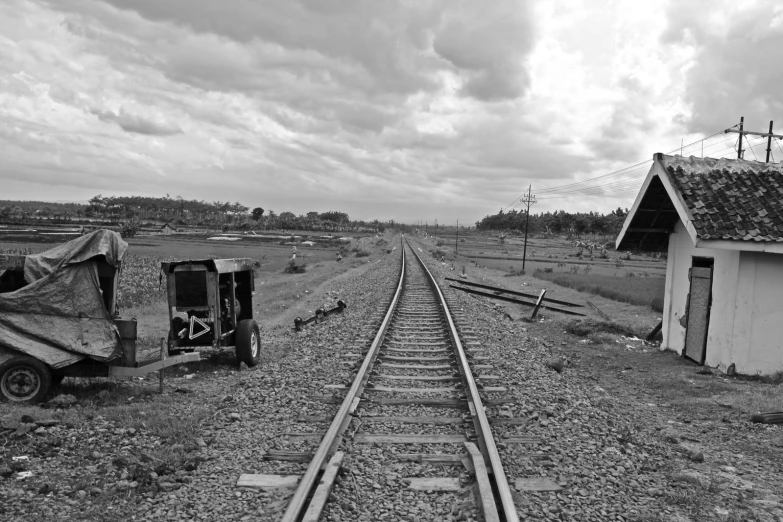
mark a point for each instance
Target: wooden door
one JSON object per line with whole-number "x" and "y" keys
{"x": 699, "y": 303}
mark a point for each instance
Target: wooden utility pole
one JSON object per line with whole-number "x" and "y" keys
{"x": 743, "y": 132}
{"x": 456, "y": 242}
{"x": 527, "y": 200}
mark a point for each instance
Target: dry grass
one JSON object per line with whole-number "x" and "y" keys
{"x": 599, "y": 330}
{"x": 756, "y": 399}
{"x": 645, "y": 291}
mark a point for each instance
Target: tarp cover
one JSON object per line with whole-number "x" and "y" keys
{"x": 60, "y": 317}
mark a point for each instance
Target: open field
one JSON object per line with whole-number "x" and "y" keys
{"x": 638, "y": 280}
{"x": 646, "y": 291}
{"x": 486, "y": 250}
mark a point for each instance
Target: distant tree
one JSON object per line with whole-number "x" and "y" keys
{"x": 287, "y": 219}
{"x": 258, "y": 212}
{"x": 334, "y": 216}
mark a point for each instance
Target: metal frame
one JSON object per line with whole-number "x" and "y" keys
{"x": 213, "y": 268}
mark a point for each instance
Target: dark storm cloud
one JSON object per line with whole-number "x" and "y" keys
{"x": 383, "y": 38}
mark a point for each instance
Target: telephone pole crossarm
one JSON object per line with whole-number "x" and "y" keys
{"x": 762, "y": 134}
{"x": 742, "y": 132}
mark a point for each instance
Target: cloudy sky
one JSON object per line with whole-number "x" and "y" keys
{"x": 405, "y": 110}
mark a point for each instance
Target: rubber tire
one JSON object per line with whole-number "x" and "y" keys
{"x": 31, "y": 366}
{"x": 248, "y": 342}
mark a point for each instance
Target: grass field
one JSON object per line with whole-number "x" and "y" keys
{"x": 486, "y": 250}
{"x": 646, "y": 291}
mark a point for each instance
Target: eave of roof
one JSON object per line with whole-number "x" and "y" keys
{"x": 700, "y": 235}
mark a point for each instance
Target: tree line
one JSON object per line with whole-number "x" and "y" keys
{"x": 135, "y": 210}
{"x": 547, "y": 224}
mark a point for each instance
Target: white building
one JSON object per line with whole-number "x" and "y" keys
{"x": 721, "y": 221}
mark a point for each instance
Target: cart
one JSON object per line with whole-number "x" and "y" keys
{"x": 211, "y": 304}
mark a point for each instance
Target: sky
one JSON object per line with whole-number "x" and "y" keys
{"x": 407, "y": 110}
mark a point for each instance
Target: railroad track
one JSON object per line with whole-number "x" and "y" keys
{"x": 415, "y": 414}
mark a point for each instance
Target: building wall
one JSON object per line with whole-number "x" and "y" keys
{"x": 746, "y": 319}
{"x": 724, "y": 289}
{"x": 758, "y": 317}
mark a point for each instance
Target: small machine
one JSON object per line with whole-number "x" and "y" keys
{"x": 211, "y": 304}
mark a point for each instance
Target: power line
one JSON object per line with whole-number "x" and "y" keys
{"x": 618, "y": 172}
{"x": 618, "y": 188}
{"x": 588, "y": 188}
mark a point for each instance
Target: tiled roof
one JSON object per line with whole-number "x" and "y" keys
{"x": 730, "y": 199}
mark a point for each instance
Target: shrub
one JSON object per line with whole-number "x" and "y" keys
{"x": 657, "y": 303}
{"x": 293, "y": 268}
{"x": 515, "y": 272}
{"x": 440, "y": 243}
{"x": 362, "y": 253}
{"x": 587, "y": 327}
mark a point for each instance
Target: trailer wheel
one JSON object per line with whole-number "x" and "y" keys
{"x": 248, "y": 342}
{"x": 24, "y": 379}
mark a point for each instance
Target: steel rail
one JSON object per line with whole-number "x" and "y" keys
{"x": 298, "y": 501}
{"x": 504, "y": 492}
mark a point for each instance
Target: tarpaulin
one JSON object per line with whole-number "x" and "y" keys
{"x": 99, "y": 243}
{"x": 60, "y": 317}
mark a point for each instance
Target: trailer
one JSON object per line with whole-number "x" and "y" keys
{"x": 59, "y": 318}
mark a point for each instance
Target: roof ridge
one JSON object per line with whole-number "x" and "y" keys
{"x": 701, "y": 165}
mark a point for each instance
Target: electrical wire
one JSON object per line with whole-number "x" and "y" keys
{"x": 630, "y": 186}
{"x": 617, "y": 172}
{"x": 751, "y": 149}
{"x": 587, "y": 188}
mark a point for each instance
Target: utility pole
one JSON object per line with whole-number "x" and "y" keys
{"x": 743, "y": 132}
{"x": 456, "y": 241}
{"x": 769, "y": 142}
{"x": 527, "y": 200}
